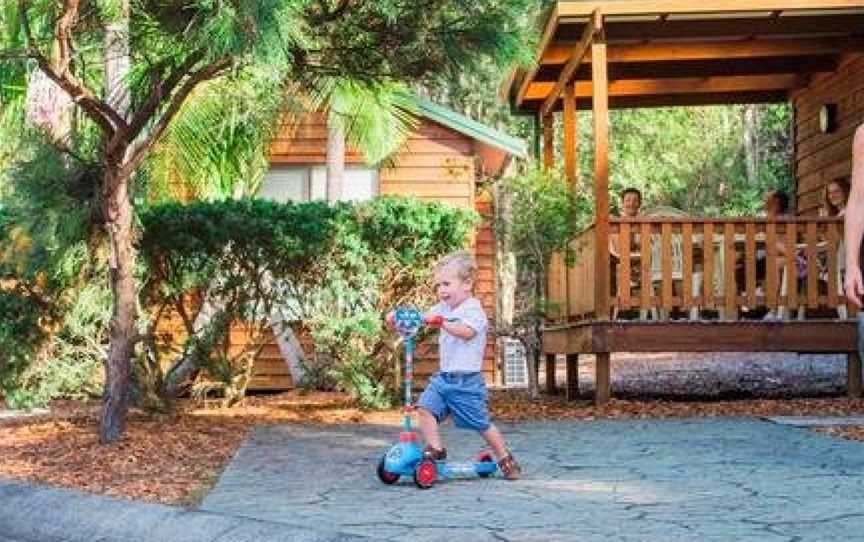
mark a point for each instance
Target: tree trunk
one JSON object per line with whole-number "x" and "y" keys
{"x": 751, "y": 143}
{"x": 505, "y": 259}
{"x": 118, "y": 366}
{"x": 118, "y": 214}
{"x": 335, "y": 158}
{"x": 535, "y": 338}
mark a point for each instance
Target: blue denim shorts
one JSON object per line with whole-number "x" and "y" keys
{"x": 462, "y": 395}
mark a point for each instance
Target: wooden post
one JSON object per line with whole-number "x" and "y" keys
{"x": 551, "y": 389}
{"x": 603, "y": 379}
{"x": 572, "y": 377}
{"x": 548, "y": 141}
{"x": 600, "y": 87}
{"x": 571, "y": 139}
{"x": 853, "y": 375}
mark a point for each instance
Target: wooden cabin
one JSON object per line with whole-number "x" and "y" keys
{"x": 594, "y": 56}
{"x": 445, "y": 159}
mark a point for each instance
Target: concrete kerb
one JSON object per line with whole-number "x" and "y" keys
{"x": 34, "y": 513}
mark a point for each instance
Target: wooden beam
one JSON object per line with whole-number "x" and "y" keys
{"x": 603, "y": 378}
{"x": 551, "y": 387}
{"x": 571, "y": 139}
{"x": 572, "y": 389}
{"x": 740, "y": 27}
{"x": 646, "y": 7}
{"x": 684, "y": 85}
{"x": 702, "y": 68}
{"x": 559, "y": 53}
{"x": 816, "y": 336}
{"x": 548, "y": 35}
{"x": 601, "y": 170}
{"x": 548, "y": 141}
{"x": 574, "y": 58}
{"x": 853, "y": 375}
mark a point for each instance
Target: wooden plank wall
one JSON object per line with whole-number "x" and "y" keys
{"x": 822, "y": 157}
{"x": 436, "y": 164}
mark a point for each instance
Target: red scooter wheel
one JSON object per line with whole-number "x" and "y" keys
{"x": 425, "y": 473}
{"x": 386, "y": 476}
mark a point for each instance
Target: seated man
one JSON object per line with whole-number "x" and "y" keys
{"x": 631, "y": 204}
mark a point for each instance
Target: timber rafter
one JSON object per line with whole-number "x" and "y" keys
{"x": 574, "y": 58}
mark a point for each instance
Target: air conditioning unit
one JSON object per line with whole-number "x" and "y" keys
{"x": 513, "y": 362}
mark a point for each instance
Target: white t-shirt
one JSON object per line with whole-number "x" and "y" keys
{"x": 458, "y": 354}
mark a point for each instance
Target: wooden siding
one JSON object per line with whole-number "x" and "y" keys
{"x": 436, "y": 164}
{"x": 822, "y": 157}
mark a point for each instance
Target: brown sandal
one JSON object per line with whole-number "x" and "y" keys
{"x": 435, "y": 455}
{"x": 509, "y": 467}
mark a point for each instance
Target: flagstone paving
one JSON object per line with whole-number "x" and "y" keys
{"x": 694, "y": 479}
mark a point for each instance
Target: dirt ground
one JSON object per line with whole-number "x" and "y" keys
{"x": 176, "y": 458}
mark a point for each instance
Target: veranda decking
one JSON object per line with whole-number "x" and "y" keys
{"x": 674, "y": 273}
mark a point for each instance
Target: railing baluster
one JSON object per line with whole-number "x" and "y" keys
{"x": 811, "y": 239}
{"x": 666, "y": 266}
{"x": 708, "y": 265}
{"x": 687, "y": 266}
{"x": 624, "y": 267}
{"x": 832, "y": 246}
{"x": 791, "y": 270}
{"x": 730, "y": 288}
{"x": 750, "y": 263}
{"x": 771, "y": 265}
{"x": 574, "y": 283}
{"x": 645, "y": 265}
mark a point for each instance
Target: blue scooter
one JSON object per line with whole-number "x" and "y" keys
{"x": 406, "y": 458}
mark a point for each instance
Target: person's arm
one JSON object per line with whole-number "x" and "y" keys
{"x": 453, "y": 326}
{"x": 465, "y": 325}
{"x": 457, "y": 328}
{"x": 854, "y": 221}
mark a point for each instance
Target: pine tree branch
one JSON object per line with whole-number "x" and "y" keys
{"x": 100, "y": 112}
{"x": 159, "y": 91}
{"x": 141, "y": 149}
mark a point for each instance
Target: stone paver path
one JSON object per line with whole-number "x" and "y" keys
{"x": 700, "y": 479}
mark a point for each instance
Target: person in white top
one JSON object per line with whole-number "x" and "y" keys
{"x": 854, "y": 221}
{"x": 458, "y": 388}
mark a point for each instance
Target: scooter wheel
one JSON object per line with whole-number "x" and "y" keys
{"x": 485, "y": 458}
{"x": 425, "y": 473}
{"x": 386, "y": 476}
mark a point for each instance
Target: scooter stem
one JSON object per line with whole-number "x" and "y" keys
{"x": 409, "y": 375}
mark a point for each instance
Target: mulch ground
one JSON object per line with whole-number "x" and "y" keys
{"x": 176, "y": 458}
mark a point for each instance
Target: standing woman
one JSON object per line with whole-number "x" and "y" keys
{"x": 855, "y": 221}
{"x": 836, "y": 194}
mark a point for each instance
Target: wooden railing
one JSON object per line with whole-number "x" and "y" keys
{"x": 707, "y": 268}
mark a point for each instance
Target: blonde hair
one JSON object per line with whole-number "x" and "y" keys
{"x": 464, "y": 264}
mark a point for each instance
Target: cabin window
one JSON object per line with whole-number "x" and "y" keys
{"x": 304, "y": 183}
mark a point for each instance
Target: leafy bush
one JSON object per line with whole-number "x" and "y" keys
{"x": 333, "y": 270}
{"x": 52, "y": 280}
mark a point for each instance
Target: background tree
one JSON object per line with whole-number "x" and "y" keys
{"x": 543, "y": 215}
{"x": 177, "y": 45}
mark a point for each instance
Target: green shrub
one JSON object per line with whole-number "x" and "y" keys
{"x": 334, "y": 270}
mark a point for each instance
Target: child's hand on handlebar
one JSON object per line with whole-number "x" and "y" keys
{"x": 434, "y": 320}
{"x": 390, "y": 320}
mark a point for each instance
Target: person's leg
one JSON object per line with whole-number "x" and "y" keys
{"x": 510, "y": 468}
{"x": 496, "y": 441}
{"x": 429, "y": 429}
{"x": 469, "y": 405}
{"x": 432, "y": 407}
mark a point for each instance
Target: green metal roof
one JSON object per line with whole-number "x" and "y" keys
{"x": 471, "y": 128}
